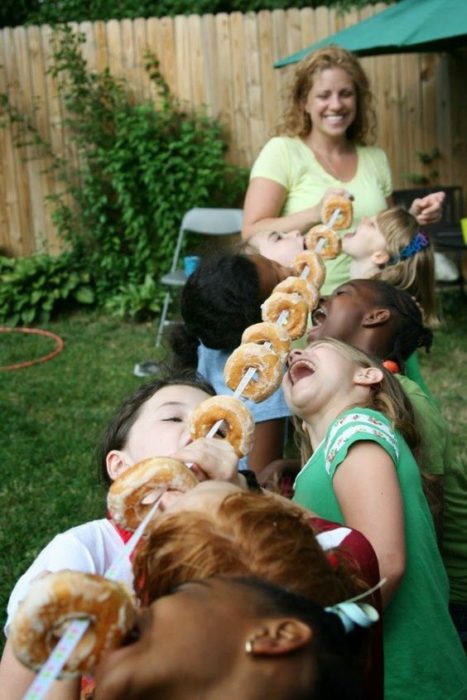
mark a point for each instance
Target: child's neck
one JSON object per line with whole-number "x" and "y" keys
{"x": 362, "y": 269}
{"x": 317, "y": 425}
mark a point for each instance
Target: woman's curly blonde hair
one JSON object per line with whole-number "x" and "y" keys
{"x": 296, "y": 122}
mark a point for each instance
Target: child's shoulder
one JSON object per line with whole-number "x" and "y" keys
{"x": 359, "y": 415}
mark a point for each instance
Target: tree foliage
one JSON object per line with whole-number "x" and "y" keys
{"x": 14, "y": 12}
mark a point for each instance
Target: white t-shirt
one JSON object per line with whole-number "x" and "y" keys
{"x": 91, "y": 548}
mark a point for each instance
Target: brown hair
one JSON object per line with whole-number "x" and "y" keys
{"x": 249, "y": 534}
{"x": 296, "y": 122}
{"x": 416, "y": 275}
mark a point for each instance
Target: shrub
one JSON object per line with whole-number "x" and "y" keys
{"x": 141, "y": 168}
{"x": 32, "y": 288}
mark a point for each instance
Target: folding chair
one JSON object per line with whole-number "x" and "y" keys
{"x": 205, "y": 222}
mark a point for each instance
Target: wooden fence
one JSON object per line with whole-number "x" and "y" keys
{"x": 224, "y": 62}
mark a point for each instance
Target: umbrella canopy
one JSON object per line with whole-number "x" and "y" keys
{"x": 408, "y": 26}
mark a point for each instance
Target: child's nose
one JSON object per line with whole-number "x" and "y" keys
{"x": 186, "y": 437}
{"x": 293, "y": 355}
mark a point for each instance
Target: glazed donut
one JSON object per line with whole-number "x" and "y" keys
{"x": 53, "y": 601}
{"x": 316, "y": 268}
{"x": 126, "y": 496}
{"x": 234, "y": 414}
{"x": 344, "y": 204}
{"x": 333, "y": 243}
{"x": 296, "y": 308}
{"x": 296, "y": 285}
{"x": 268, "y": 367}
{"x": 268, "y": 332}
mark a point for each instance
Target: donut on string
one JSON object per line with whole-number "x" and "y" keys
{"x": 53, "y": 601}
{"x": 267, "y": 332}
{"x": 333, "y": 244}
{"x": 265, "y": 361}
{"x": 237, "y": 422}
{"x": 316, "y": 270}
{"x": 131, "y": 495}
{"x": 297, "y": 285}
{"x": 291, "y": 304}
{"x": 333, "y": 203}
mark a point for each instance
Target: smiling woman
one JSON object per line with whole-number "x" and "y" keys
{"x": 322, "y": 147}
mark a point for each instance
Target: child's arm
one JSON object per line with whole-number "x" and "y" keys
{"x": 15, "y": 679}
{"x": 367, "y": 488}
{"x": 268, "y": 443}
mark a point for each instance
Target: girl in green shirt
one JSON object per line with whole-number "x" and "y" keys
{"x": 362, "y": 473}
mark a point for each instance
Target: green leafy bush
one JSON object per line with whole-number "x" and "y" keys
{"x": 141, "y": 169}
{"x": 31, "y": 289}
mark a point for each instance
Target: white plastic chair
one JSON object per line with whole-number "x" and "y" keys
{"x": 205, "y": 222}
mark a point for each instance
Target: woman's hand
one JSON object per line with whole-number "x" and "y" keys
{"x": 428, "y": 210}
{"x": 211, "y": 459}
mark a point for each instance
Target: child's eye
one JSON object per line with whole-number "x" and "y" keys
{"x": 174, "y": 419}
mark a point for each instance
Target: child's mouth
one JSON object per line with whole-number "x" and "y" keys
{"x": 300, "y": 369}
{"x": 319, "y": 315}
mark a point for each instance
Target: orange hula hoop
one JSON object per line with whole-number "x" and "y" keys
{"x": 59, "y": 345}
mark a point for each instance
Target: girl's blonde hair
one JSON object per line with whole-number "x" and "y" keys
{"x": 415, "y": 274}
{"x": 296, "y": 122}
{"x": 389, "y": 398}
{"x": 250, "y": 534}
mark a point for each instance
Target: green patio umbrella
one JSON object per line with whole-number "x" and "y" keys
{"x": 406, "y": 27}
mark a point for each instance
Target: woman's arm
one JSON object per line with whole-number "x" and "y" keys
{"x": 263, "y": 203}
{"x": 368, "y": 492}
{"x": 15, "y": 679}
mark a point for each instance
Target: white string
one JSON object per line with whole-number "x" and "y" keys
{"x": 76, "y": 629}
{"x": 335, "y": 215}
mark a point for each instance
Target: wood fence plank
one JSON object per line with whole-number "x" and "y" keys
{"x": 196, "y": 61}
{"x": 224, "y": 82}
{"x": 25, "y": 165}
{"x": 239, "y": 88}
{"x": 268, "y": 83}
{"x": 182, "y": 58}
{"x": 253, "y": 81}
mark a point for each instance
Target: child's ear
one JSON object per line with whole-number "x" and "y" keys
{"x": 376, "y": 317}
{"x": 116, "y": 463}
{"x": 381, "y": 257}
{"x": 278, "y": 637}
{"x": 368, "y": 376}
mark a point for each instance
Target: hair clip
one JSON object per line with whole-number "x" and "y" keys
{"x": 418, "y": 243}
{"x": 392, "y": 366}
{"x": 353, "y": 614}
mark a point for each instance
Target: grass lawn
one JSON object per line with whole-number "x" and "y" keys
{"x": 52, "y": 415}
